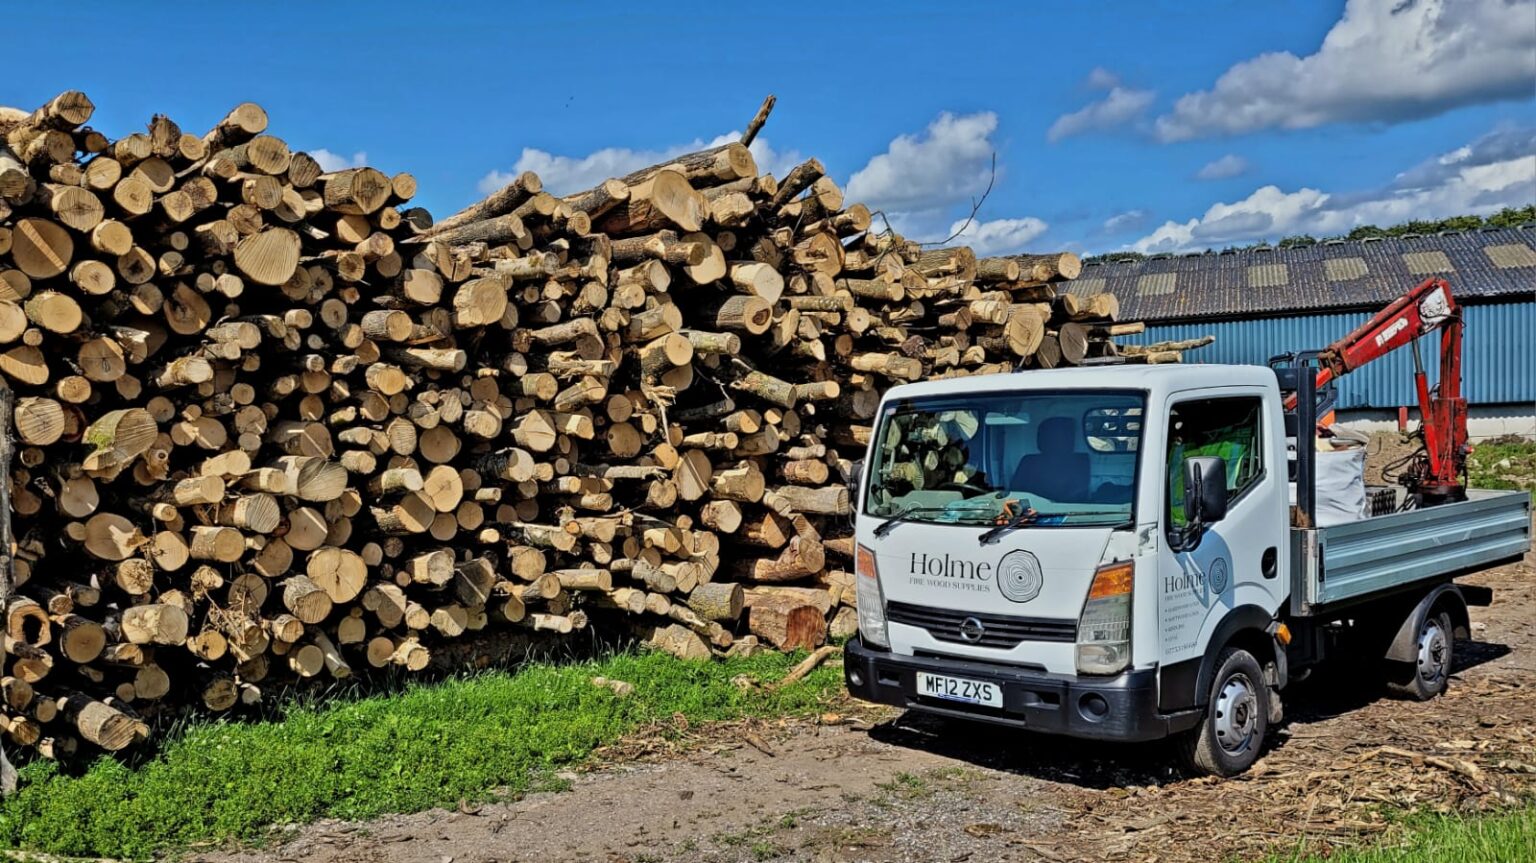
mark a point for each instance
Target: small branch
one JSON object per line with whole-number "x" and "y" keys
{"x": 757, "y": 121}
{"x": 808, "y": 664}
{"x": 975, "y": 207}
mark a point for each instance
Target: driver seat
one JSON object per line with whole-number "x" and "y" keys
{"x": 1058, "y": 472}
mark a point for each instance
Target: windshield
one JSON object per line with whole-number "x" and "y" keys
{"x": 982, "y": 459}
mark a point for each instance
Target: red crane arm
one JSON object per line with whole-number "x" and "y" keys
{"x": 1421, "y": 311}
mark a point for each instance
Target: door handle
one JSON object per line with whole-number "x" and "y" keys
{"x": 1269, "y": 564}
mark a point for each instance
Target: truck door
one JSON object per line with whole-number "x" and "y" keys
{"x": 1234, "y": 564}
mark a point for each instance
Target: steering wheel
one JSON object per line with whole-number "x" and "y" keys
{"x": 965, "y": 486}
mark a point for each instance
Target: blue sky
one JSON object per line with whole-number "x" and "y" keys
{"x": 1157, "y": 126}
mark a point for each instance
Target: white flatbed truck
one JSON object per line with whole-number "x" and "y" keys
{"x": 1112, "y": 552}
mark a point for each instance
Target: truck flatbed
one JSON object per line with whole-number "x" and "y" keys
{"x": 1334, "y": 566}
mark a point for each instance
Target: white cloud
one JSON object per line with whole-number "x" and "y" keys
{"x": 922, "y": 180}
{"x": 563, "y": 175}
{"x": 1496, "y": 147}
{"x": 949, "y": 164}
{"x": 1496, "y": 171}
{"x": 999, "y": 236}
{"x": 1228, "y": 166}
{"x": 769, "y": 160}
{"x": 1384, "y": 61}
{"x": 337, "y": 162}
{"x": 1129, "y": 220}
{"x": 1118, "y": 107}
{"x": 1266, "y": 212}
{"x": 1100, "y": 78}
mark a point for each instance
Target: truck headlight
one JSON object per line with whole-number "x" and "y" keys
{"x": 870, "y": 599}
{"x": 1104, "y": 630}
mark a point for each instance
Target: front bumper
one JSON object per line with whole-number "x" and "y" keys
{"x": 1123, "y": 707}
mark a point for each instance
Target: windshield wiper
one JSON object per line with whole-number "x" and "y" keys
{"x": 1025, "y": 515}
{"x": 900, "y": 516}
{"x": 1029, "y": 516}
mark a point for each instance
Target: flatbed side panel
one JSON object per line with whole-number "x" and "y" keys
{"x": 1389, "y": 551}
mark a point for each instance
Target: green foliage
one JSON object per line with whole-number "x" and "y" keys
{"x": 1509, "y": 217}
{"x": 1507, "y": 464}
{"x": 1112, "y": 257}
{"x": 1506, "y": 837}
{"x": 472, "y": 738}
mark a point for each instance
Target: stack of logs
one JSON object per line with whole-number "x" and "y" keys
{"x": 270, "y": 424}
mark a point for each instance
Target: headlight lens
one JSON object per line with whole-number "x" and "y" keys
{"x": 1104, "y": 630}
{"x": 870, "y": 599}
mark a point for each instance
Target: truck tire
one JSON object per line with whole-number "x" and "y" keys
{"x": 1430, "y": 672}
{"x": 1231, "y": 735}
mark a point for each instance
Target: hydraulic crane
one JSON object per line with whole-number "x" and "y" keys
{"x": 1435, "y": 473}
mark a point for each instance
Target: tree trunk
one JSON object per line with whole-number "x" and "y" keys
{"x": 787, "y": 623}
{"x": 508, "y": 198}
{"x": 722, "y": 601}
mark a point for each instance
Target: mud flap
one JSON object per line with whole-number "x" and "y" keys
{"x": 1404, "y": 645}
{"x": 1278, "y": 674}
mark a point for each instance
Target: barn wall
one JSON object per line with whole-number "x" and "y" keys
{"x": 1498, "y": 366}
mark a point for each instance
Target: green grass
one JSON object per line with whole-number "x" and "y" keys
{"x": 427, "y": 745}
{"x": 1503, "y": 465}
{"x": 907, "y": 786}
{"x": 1506, "y": 837}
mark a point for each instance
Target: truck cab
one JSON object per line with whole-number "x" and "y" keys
{"x": 1107, "y": 552}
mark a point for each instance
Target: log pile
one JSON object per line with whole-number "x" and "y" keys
{"x": 272, "y": 424}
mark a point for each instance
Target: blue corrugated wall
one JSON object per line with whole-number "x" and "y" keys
{"x": 1498, "y": 360}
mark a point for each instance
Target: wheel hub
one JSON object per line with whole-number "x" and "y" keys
{"x": 1434, "y": 653}
{"x": 1237, "y": 714}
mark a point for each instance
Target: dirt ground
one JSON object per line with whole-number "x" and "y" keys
{"x": 870, "y": 784}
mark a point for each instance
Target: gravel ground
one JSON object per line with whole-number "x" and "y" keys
{"x": 867, "y": 784}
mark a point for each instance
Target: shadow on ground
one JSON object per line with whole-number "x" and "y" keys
{"x": 1332, "y": 692}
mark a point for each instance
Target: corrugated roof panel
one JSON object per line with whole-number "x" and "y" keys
{"x": 1217, "y": 285}
{"x": 1510, "y": 255}
{"x": 1157, "y": 283}
{"x": 1428, "y": 263}
{"x": 1268, "y": 275}
{"x": 1086, "y": 287}
{"x": 1345, "y": 269}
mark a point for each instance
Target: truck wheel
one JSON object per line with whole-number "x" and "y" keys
{"x": 1430, "y": 672}
{"x": 1231, "y": 736}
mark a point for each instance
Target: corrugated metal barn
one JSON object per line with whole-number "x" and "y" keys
{"x": 1263, "y": 302}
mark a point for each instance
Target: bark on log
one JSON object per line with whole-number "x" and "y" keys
{"x": 503, "y": 201}
{"x": 721, "y": 601}
{"x": 662, "y": 200}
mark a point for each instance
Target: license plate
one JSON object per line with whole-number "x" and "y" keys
{"x": 959, "y": 689}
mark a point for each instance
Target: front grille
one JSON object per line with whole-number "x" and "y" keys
{"x": 999, "y": 630}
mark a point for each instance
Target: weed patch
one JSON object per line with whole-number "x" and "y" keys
{"x": 476, "y": 738}
{"x": 1505, "y": 837}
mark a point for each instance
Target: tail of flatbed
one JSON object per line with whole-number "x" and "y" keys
{"x": 1336, "y": 566}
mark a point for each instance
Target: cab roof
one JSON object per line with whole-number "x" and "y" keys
{"x": 1171, "y": 377}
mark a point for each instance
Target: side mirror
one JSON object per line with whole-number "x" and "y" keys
{"x": 1205, "y": 490}
{"x": 855, "y": 472}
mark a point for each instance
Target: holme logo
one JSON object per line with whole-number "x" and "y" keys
{"x": 944, "y": 566}
{"x": 1218, "y": 575}
{"x": 1018, "y": 574}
